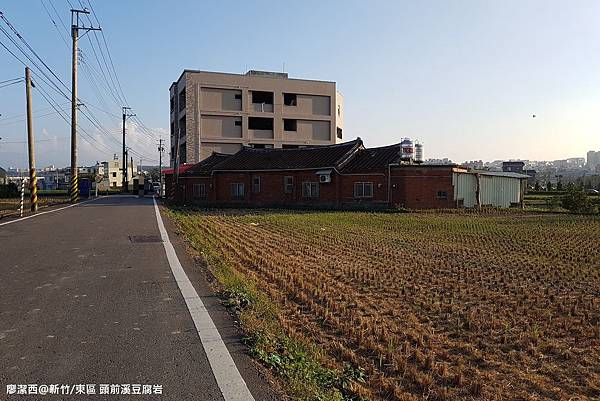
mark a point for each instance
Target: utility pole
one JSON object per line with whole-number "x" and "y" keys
{"x": 161, "y": 149}
{"x": 30, "y": 143}
{"x": 75, "y": 28}
{"x": 125, "y": 183}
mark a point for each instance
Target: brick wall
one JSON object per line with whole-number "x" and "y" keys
{"x": 346, "y": 191}
{"x": 418, "y": 187}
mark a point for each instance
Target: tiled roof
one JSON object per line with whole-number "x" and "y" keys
{"x": 205, "y": 167}
{"x": 371, "y": 160}
{"x": 317, "y": 157}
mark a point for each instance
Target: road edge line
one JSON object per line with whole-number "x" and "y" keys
{"x": 50, "y": 211}
{"x": 228, "y": 377}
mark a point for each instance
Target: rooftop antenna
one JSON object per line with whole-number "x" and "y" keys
{"x": 283, "y": 69}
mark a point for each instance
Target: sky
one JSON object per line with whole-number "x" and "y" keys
{"x": 464, "y": 77}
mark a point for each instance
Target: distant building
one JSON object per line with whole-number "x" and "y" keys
{"x": 221, "y": 112}
{"x": 2, "y": 176}
{"x": 593, "y": 160}
{"x": 513, "y": 167}
{"x": 473, "y": 164}
{"x": 112, "y": 173}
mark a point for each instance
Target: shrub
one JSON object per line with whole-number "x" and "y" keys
{"x": 9, "y": 190}
{"x": 576, "y": 201}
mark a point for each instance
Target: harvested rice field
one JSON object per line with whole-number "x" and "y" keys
{"x": 437, "y": 306}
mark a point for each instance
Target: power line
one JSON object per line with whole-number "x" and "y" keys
{"x": 54, "y": 23}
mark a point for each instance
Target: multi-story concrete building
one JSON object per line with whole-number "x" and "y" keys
{"x": 220, "y": 112}
{"x": 593, "y": 160}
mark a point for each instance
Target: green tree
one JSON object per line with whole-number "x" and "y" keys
{"x": 576, "y": 201}
{"x": 548, "y": 186}
{"x": 559, "y": 186}
{"x": 537, "y": 186}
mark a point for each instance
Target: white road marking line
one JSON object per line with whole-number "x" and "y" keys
{"x": 51, "y": 211}
{"x": 230, "y": 381}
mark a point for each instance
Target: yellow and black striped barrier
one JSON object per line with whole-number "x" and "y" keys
{"x": 33, "y": 190}
{"x": 74, "y": 192}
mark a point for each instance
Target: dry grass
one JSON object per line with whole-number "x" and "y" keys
{"x": 9, "y": 207}
{"x": 431, "y": 306}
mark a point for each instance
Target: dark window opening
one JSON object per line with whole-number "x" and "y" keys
{"x": 288, "y": 184}
{"x": 262, "y": 145}
{"x": 238, "y": 96}
{"x": 172, "y": 103}
{"x": 310, "y": 189}
{"x": 285, "y": 146}
{"x": 173, "y": 128}
{"x": 339, "y": 133}
{"x": 290, "y": 99}
{"x": 262, "y": 97}
{"x": 255, "y": 184}
{"x": 237, "y": 190}
{"x": 290, "y": 125}
{"x": 442, "y": 195}
{"x": 238, "y": 123}
{"x": 199, "y": 191}
{"x": 114, "y": 175}
{"x": 182, "y": 127}
{"x": 182, "y": 100}
{"x": 260, "y": 123}
{"x": 182, "y": 155}
{"x": 363, "y": 189}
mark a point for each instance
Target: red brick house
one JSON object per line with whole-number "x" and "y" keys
{"x": 345, "y": 175}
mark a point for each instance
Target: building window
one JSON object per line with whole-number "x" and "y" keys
{"x": 363, "y": 189}
{"x": 442, "y": 195}
{"x": 182, "y": 100}
{"x": 288, "y": 184}
{"x": 290, "y": 124}
{"x": 256, "y": 184}
{"x": 172, "y": 103}
{"x": 290, "y": 99}
{"x": 199, "y": 191}
{"x": 238, "y": 96}
{"x": 114, "y": 175}
{"x": 339, "y": 133}
{"x": 238, "y": 123}
{"x": 261, "y": 145}
{"x": 262, "y": 97}
{"x": 310, "y": 189}
{"x": 237, "y": 190}
{"x": 182, "y": 127}
{"x": 288, "y": 146}
{"x": 261, "y": 123}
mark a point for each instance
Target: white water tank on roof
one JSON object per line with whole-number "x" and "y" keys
{"x": 419, "y": 152}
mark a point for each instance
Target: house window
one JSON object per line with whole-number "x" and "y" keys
{"x": 114, "y": 174}
{"x": 310, "y": 189}
{"x": 237, "y": 190}
{"x": 339, "y": 133}
{"x": 238, "y": 123}
{"x": 290, "y": 99}
{"x": 442, "y": 195}
{"x": 290, "y": 125}
{"x": 363, "y": 189}
{"x": 238, "y": 96}
{"x": 256, "y": 184}
{"x": 199, "y": 191}
{"x": 288, "y": 184}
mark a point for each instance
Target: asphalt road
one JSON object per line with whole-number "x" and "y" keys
{"x": 87, "y": 296}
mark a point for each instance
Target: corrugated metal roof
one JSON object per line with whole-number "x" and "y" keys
{"x": 499, "y": 173}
